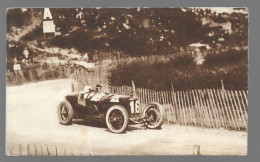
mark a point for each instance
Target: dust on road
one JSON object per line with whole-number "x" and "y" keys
{"x": 31, "y": 119}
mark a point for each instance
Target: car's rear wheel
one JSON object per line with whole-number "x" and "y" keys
{"x": 153, "y": 114}
{"x": 65, "y": 112}
{"x": 117, "y": 119}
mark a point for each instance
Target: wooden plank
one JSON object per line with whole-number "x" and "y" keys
{"x": 173, "y": 115}
{"x": 214, "y": 108}
{"x": 151, "y": 95}
{"x": 157, "y": 96}
{"x": 240, "y": 108}
{"x": 167, "y": 108}
{"x": 206, "y": 109}
{"x": 143, "y": 102}
{"x": 209, "y": 110}
{"x": 175, "y": 107}
{"x": 203, "y": 104}
{"x": 183, "y": 110}
{"x": 173, "y": 97}
{"x": 199, "y": 106}
{"x": 220, "y": 108}
{"x": 225, "y": 109}
{"x": 154, "y": 95}
{"x": 145, "y": 97}
{"x": 217, "y": 109}
{"x": 179, "y": 107}
{"x": 229, "y": 108}
{"x": 243, "y": 105}
{"x": 193, "y": 110}
{"x": 190, "y": 109}
{"x": 185, "y": 107}
{"x": 141, "y": 96}
{"x": 245, "y": 96}
{"x": 233, "y": 110}
{"x": 148, "y": 96}
{"x": 236, "y": 109}
{"x": 163, "y": 103}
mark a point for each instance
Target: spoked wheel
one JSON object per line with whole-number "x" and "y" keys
{"x": 153, "y": 114}
{"x": 117, "y": 119}
{"x": 65, "y": 113}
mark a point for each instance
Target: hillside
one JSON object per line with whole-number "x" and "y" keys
{"x": 215, "y": 41}
{"x": 133, "y": 31}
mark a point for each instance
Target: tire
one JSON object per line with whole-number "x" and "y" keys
{"x": 155, "y": 113}
{"x": 117, "y": 119}
{"x": 65, "y": 113}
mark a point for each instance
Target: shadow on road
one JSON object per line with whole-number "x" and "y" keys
{"x": 99, "y": 124}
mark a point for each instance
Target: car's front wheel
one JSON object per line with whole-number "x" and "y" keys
{"x": 65, "y": 112}
{"x": 117, "y": 119}
{"x": 153, "y": 114}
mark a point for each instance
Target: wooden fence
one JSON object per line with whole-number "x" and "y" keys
{"x": 211, "y": 108}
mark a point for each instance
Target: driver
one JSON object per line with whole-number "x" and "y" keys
{"x": 98, "y": 88}
{"x": 89, "y": 92}
{"x": 84, "y": 94}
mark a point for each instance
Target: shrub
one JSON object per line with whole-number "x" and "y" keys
{"x": 184, "y": 73}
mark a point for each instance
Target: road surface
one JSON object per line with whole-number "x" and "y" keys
{"x": 32, "y": 126}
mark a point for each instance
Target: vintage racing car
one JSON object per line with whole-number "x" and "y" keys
{"x": 117, "y": 111}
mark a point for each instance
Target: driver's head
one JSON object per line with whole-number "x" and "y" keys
{"x": 98, "y": 88}
{"x": 87, "y": 89}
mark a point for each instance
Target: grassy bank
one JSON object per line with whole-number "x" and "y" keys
{"x": 158, "y": 72}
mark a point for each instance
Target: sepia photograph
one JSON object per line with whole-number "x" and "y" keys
{"x": 127, "y": 81}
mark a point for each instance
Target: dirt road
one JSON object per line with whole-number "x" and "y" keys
{"x": 32, "y": 123}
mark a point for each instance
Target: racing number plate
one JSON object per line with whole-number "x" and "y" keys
{"x": 135, "y": 107}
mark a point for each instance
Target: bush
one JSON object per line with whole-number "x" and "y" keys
{"x": 184, "y": 73}
{"x": 232, "y": 57}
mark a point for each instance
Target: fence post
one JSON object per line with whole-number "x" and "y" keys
{"x": 222, "y": 85}
{"x": 196, "y": 150}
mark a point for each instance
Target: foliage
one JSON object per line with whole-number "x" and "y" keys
{"x": 184, "y": 74}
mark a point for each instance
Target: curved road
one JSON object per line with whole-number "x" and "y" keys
{"x": 32, "y": 126}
